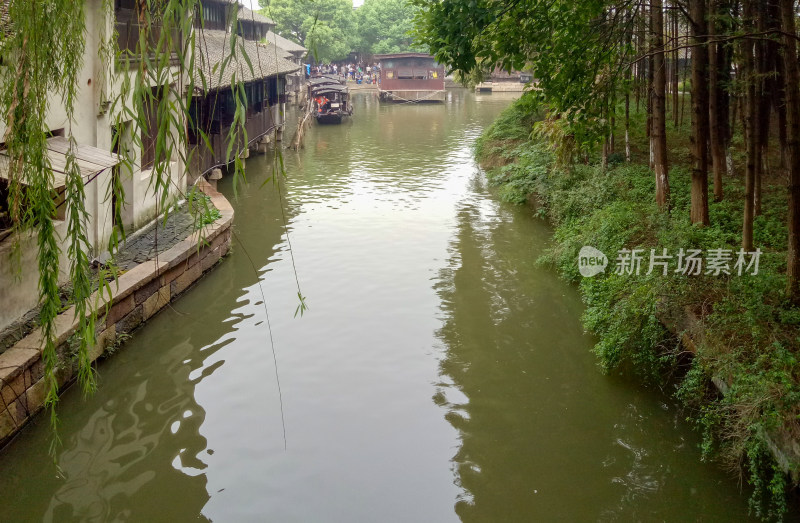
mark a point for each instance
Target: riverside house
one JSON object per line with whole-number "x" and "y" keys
{"x": 411, "y": 77}
{"x": 213, "y": 106}
{"x": 96, "y": 118}
{"x": 93, "y": 130}
{"x": 295, "y": 82}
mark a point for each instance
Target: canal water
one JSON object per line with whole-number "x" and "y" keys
{"x": 438, "y": 374}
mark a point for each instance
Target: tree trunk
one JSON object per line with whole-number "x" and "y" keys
{"x": 700, "y": 125}
{"x": 724, "y": 61}
{"x": 675, "y": 72}
{"x": 683, "y": 91}
{"x": 780, "y": 107}
{"x": 793, "y": 145}
{"x": 717, "y": 140}
{"x": 659, "y": 129}
{"x": 650, "y": 86}
{"x": 640, "y": 70}
{"x": 749, "y": 112}
{"x": 627, "y": 127}
{"x": 612, "y": 146}
{"x": 765, "y": 68}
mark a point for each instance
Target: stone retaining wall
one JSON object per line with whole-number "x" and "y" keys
{"x": 137, "y": 295}
{"x": 782, "y": 445}
{"x": 501, "y": 87}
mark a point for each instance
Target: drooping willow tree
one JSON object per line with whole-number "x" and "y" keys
{"x": 43, "y": 47}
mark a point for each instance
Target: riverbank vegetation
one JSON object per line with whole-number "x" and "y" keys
{"x": 742, "y": 328}
{"x": 655, "y": 129}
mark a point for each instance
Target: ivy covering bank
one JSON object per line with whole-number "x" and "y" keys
{"x": 744, "y": 328}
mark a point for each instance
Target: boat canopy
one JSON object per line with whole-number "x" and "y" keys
{"x": 329, "y": 89}
{"x": 320, "y": 80}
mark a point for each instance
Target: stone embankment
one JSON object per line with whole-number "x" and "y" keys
{"x": 137, "y": 296}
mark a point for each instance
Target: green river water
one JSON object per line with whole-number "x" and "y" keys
{"x": 438, "y": 375}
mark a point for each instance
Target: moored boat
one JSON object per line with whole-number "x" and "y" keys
{"x": 331, "y": 102}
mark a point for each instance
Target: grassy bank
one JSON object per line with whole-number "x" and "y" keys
{"x": 741, "y": 332}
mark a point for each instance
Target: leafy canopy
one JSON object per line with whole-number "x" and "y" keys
{"x": 326, "y": 27}
{"x": 578, "y": 51}
{"x": 385, "y": 26}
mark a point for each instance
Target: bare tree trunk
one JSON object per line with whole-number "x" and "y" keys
{"x": 651, "y": 85}
{"x": 627, "y": 127}
{"x": 764, "y": 67}
{"x": 724, "y": 61}
{"x": 659, "y": 129}
{"x": 700, "y": 125}
{"x": 717, "y": 140}
{"x": 793, "y": 145}
{"x": 780, "y": 106}
{"x": 749, "y": 111}
{"x": 683, "y": 91}
{"x": 640, "y": 72}
{"x": 612, "y": 146}
{"x": 675, "y": 70}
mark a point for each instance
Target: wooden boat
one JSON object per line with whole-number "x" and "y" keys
{"x": 316, "y": 81}
{"x": 331, "y": 102}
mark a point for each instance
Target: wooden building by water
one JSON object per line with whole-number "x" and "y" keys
{"x": 411, "y": 77}
{"x": 213, "y": 103}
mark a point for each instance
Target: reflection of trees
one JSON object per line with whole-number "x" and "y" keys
{"x": 478, "y": 360}
{"x": 544, "y": 435}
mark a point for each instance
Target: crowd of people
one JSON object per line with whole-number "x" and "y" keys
{"x": 354, "y": 72}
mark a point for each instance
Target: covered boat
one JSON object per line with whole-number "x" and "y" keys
{"x": 331, "y": 102}
{"x": 316, "y": 81}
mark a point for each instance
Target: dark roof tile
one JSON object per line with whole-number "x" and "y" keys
{"x": 213, "y": 47}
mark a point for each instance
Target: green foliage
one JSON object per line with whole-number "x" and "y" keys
{"x": 200, "y": 205}
{"x": 384, "y": 26}
{"x": 515, "y": 124}
{"x": 326, "y": 27}
{"x": 578, "y": 51}
{"x": 120, "y": 339}
{"x": 331, "y": 29}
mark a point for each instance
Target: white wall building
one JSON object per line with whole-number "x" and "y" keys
{"x": 93, "y": 130}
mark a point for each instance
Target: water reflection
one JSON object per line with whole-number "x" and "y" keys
{"x": 419, "y": 285}
{"x": 136, "y": 449}
{"x": 122, "y": 452}
{"x": 544, "y": 435}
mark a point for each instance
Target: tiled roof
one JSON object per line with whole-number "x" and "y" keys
{"x": 284, "y": 43}
{"x": 5, "y": 20}
{"x": 246, "y": 14}
{"x": 212, "y": 48}
{"x": 401, "y": 55}
{"x": 283, "y": 53}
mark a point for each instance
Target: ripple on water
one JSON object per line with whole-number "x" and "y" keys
{"x": 438, "y": 373}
